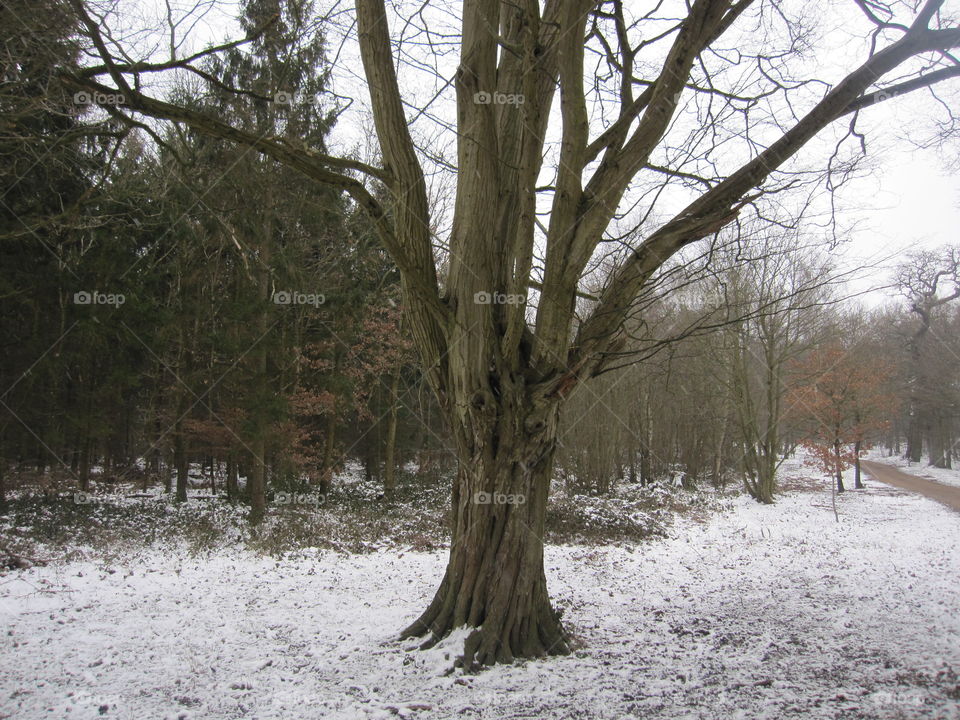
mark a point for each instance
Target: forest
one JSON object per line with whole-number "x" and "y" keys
{"x": 522, "y": 290}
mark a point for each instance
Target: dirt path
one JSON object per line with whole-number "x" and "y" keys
{"x": 947, "y": 494}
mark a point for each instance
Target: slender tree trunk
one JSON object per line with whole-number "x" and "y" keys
{"x": 232, "y": 482}
{"x": 368, "y": 472}
{"x": 917, "y": 414}
{"x": 75, "y": 452}
{"x": 168, "y": 474}
{"x": 180, "y": 456}
{"x": 85, "y": 465}
{"x": 758, "y": 470}
{"x": 180, "y": 459}
{"x": 839, "y": 466}
{"x": 389, "y": 455}
{"x": 833, "y": 501}
{"x": 153, "y": 467}
{"x": 718, "y": 479}
{"x": 326, "y": 467}
{"x": 770, "y": 443}
{"x": 41, "y": 459}
{"x": 257, "y": 480}
{"x": 155, "y": 455}
{"x": 857, "y": 483}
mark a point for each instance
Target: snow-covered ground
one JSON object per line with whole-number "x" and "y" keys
{"x": 760, "y": 612}
{"x": 921, "y": 469}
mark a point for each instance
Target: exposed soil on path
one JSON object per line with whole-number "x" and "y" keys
{"x": 946, "y": 494}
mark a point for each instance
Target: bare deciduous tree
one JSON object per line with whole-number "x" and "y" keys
{"x": 778, "y": 296}
{"x": 500, "y": 373}
{"x": 928, "y": 280}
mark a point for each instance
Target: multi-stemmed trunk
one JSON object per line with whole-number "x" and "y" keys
{"x": 495, "y": 581}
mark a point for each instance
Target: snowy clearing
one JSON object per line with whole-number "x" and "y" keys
{"x": 763, "y": 611}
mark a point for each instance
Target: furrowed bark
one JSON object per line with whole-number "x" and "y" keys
{"x": 495, "y": 580}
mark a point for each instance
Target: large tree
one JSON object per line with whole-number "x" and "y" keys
{"x": 929, "y": 281}
{"x": 501, "y": 358}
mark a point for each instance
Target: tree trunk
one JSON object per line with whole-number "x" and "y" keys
{"x": 857, "y": 484}
{"x": 718, "y": 479}
{"x": 41, "y": 456}
{"x": 326, "y": 467}
{"x": 85, "y": 465}
{"x": 154, "y": 466}
{"x": 839, "y": 466}
{"x": 646, "y": 474}
{"x": 495, "y": 581}
{"x": 914, "y": 438}
{"x": 168, "y": 475}
{"x": 180, "y": 460}
{"x": 766, "y": 485}
{"x": 75, "y": 452}
{"x": 389, "y": 454}
{"x": 257, "y": 480}
{"x": 939, "y": 444}
{"x": 232, "y": 482}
